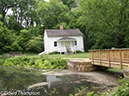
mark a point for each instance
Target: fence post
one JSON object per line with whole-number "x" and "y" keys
{"x": 92, "y": 56}
{"x": 120, "y": 52}
{"x": 100, "y": 56}
{"x": 109, "y": 58}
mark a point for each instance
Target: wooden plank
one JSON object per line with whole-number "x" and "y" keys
{"x": 120, "y": 52}
{"x": 100, "y": 57}
{"x": 109, "y": 58}
{"x": 93, "y": 57}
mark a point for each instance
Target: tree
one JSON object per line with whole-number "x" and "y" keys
{"x": 51, "y": 13}
{"x": 35, "y": 44}
{"x": 4, "y": 7}
{"x": 24, "y": 12}
{"x": 7, "y": 39}
{"x": 106, "y": 22}
{"x": 70, "y": 3}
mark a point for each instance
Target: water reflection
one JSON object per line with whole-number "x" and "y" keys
{"x": 51, "y": 79}
{"x": 28, "y": 80}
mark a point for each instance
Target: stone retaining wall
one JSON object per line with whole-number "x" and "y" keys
{"x": 83, "y": 66}
{"x": 75, "y": 65}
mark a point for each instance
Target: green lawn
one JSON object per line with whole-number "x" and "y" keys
{"x": 115, "y": 70}
{"x": 77, "y": 55}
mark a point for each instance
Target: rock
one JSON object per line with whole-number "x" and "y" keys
{"x": 38, "y": 85}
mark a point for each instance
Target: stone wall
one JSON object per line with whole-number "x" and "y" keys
{"x": 75, "y": 65}
{"x": 83, "y": 66}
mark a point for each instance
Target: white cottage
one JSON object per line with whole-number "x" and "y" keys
{"x": 63, "y": 40}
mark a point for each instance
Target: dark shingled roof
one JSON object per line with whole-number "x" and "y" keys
{"x": 65, "y": 32}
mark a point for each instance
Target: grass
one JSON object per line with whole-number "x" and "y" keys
{"x": 115, "y": 70}
{"x": 77, "y": 55}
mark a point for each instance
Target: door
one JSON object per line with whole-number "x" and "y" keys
{"x": 67, "y": 45}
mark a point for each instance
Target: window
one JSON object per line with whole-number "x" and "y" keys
{"x": 55, "y": 44}
{"x": 75, "y": 42}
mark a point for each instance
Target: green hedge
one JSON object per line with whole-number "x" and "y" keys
{"x": 38, "y": 62}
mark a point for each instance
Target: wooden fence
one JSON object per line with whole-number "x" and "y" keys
{"x": 116, "y": 58}
{"x": 11, "y": 54}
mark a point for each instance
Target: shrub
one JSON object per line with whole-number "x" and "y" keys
{"x": 54, "y": 52}
{"x": 1, "y": 61}
{"x": 79, "y": 51}
{"x": 35, "y": 62}
{"x": 122, "y": 90}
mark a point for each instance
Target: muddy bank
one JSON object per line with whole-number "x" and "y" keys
{"x": 107, "y": 79}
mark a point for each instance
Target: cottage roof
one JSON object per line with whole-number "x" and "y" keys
{"x": 65, "y": 32}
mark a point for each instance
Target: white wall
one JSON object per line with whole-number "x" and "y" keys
{"x": 45, "y": 42}
{"x": 49, "y": 43}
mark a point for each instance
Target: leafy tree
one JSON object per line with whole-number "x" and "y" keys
{"x": 7, "y": 37}
{"x": 12, "y": 23}
{"x": 23, "y": 38}
{"x": 24, "y": 12}
{"x": 51, "y": 13}
{"x": 35, "y": 44}
{"x": 70, "y": 3}
{"x": 4, "y": 7}
{"x": 106, "y": 22}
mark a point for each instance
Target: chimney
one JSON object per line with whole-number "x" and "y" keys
{"x": 61, "y": 27}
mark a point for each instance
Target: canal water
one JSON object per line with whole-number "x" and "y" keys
{"x": 16, "y": 81}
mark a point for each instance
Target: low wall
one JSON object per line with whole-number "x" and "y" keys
{"x": 83, "y": 66}
{"x": 75, "y": 65}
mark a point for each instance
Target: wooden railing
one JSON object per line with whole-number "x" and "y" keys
{"x": 117, "y": 58}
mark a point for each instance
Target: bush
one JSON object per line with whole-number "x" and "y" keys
{"x": 79, "y": 51}
{"x": 54, "y": 52}
{"x": 35, "y": 62}
{"x": 1, "y": 61}
{"x": 122, "y": 90}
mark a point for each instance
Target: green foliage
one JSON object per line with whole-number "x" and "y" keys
{"x": 119, "y": 91}
{"x": 92, "y": 94}
{"x": 59, "y": 63}
{"x": 1, "y": 62}
{"x": 106, "y": 22}
{"x": 35, "y": 44}
{"x": 6, "y": 37}
{"x": 78, "y": 51}
{"x": 70, "y": 3}
{"x": 122, "y": 90}
{"x": 15, "y": 47}
{"x": 52, "y": 13}
{"x": 35, "y": 62}
{"x": 54, "y": 52}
